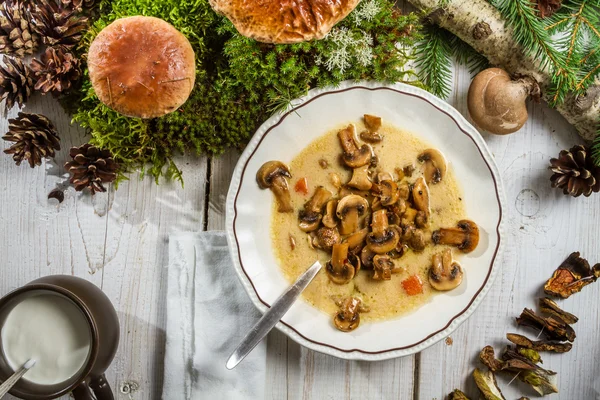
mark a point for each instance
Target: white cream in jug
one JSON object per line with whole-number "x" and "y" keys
{"x": 50, "y": 329}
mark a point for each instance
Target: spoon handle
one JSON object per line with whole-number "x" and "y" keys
{"x": 10, "y": 382}
{"x": 272, "y": 316}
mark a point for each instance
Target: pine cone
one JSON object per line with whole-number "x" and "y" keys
{"x": 58, "y": 25}
{"x": 16, "y": 82}
{"x": 91, "y": 167}
{"x": 547, "y": 7}
{"x": 575, "y": 172}
{"x": 79, "y": 5}
{"x": 34, "y": 138}
{"x": 57, "y": 70}
{"x": 17, "y": 35}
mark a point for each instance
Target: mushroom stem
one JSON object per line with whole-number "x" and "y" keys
{"x": 353, "y": 155}
{"x": 339, "y": 256}
{"x": 282, "y": 193}
{"x": 465, "y": 236}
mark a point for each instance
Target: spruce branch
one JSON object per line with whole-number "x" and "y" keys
{"x": 433, "y": 60}
{"x": 596, "y": 147}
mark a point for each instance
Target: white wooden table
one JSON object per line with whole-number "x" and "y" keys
{"x": 118, "y": 241}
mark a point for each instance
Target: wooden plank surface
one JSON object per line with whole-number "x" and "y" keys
{"x": 118, "y": 241}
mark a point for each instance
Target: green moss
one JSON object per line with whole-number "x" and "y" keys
{"x": 240, "y": 82}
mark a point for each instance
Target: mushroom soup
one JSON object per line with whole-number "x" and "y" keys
{"x": 387, "y": 228}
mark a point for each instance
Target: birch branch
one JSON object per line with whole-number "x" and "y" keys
{"x": 481, "y": 25}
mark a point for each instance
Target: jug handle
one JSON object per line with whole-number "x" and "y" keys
{"x": 99, "y": 385}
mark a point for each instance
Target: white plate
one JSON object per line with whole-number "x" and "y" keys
{"x": 283, "y": 136}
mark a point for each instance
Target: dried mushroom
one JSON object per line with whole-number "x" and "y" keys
{"x": 541, "y": 380}
{"x": 548, "y": 306}
{"x": 310, "y": 217}
{"x": 457, "y": 395}
{"x": 360, "y": 178}
{"x": 487, "y": 385}
{"x": 552, "y": 328}
{"x": 465, "y": 236}
{"x": 445, "y": 273}
{"x": 382, "y": 238}
{"x": 383, "y": 267}
{"x": 571, "y": 276}
{"x": 353, "y": 155}
{"x": 274, "y": 175}
{"x": 343, "y": 265}
{"x": 348, "y": 318}
{"x": 539, "y": 345}
{"x": 349, "y": 211}
{"x": 420, "y": 195}
{"x": 435, "y": 165}
{"x": 530, "y": 354}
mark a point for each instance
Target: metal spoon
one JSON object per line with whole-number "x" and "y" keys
{"x": 10, "y": 382}
{"x": 272, "y": 316}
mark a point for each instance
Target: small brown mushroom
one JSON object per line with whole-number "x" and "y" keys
{"x": 360, "y": 178}
{"x": 141, "y": 67}
{"x": 325, "y": 238}
{"x": 409, "y": 216}
{"x": 353, "y": 155}
{"x": 356, "y": 241}
{"x": 335, "y": 180}
{"x": 349, "y": 210}
{"x": 366, "y": 257}
{"x": 343, "y": 265}
{"x": 416, "y": 239}
{"x": 273, "y": 175}
{"x": 420, "y": 195}
{"x": 404, "y": 190}
{"x": 497, "y": 103}
{"x": 421, "y": 220}
{"x": 383, "y": 267}
{"x": 371, "y": 137}
{"x": 330, "y": 219}
{"x": 465, "y": 236}
{"x": 445, "y": 273}
{"x": 310, "y": 216}
{"x": 382, "y": 238}
{"x": 435, "y": 165}
{"x": 387, "y": 191}
{"x": 348, "y": 318}
{"x": 372, "y": 122}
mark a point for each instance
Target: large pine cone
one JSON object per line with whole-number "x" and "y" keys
{"x": 57, "y": 70}
{"x": 17, "y": 35}
{"x": 16, "y": 82}
{"x": 91, "y": 167}
{"x": 575, "y": 172}
{"x": 79, "y": 5}
{"x": 34, "y": 138}
{"x": 57, "y": 25}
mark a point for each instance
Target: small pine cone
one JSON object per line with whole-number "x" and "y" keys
{"x": 79, "y": 5}
{"x": 575, "y": 172}
{"x": 17, "y": 34}
{"x": 34, "y": 138}
{"x": 91, "y": 167}
{"x": 57, "y": 25}
{"x": 57, "y": 70}
{"x": 16, "y": 82}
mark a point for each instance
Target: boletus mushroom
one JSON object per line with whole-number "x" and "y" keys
{"x": 435, "y": 165}
{"x": 382, "y": 238}
{"x": 445, "y": 273}
{"x": 348, "y": 317}
{"x": 142, "y": 67}
{"x": 465, "y": 236}
{"x": 310, "y": 217}
{"x": 420, "y": 195}
{"x": 354, "y": 156}
{"x": 343, "y": 265}
{"x": 349, "y": 211}
{"x": 360, "y": 178}
{"x": 497, "y": 103}
{"x": 274, "y": 175}
{"x": 276, "y": 21}
{"x": 383, "y": 267}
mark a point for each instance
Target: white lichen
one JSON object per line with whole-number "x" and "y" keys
{"x": 344, "y": 48}
{"x": 366, "y": 11}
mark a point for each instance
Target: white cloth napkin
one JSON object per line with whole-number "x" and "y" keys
{"x": 208, "y": 313}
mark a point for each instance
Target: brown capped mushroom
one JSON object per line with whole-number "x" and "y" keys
{"x": 356, "y": 241}
{"x": 353, "y": 155}
{"x": 142, "y": 67}
{"x": 409, "y": 216}
{"x": 421, "y": 220}
{"x": 273, "y": 175}
{"x": 330, "y": 219}
{"x": 325, "y": 238}
{"x": 276, "y": 21}
{"x": 387, "y": 191}
{"x": 349, "y": 211}
{"x": 366, "y": 257}
{"x": 383, "y": 267}
{"x": 465, "y": 236}
{"x": 404, "y": 190}
{"x": 382, "y": 238}
{"x": 445, "y": 273}
{"x": 310, "y": 216}
{"x": 343, "y": 265}
{"x": 415, "y": 238}
{"x": 348, "y": 318}
{"x": 420, "y": 195}
{"x": 435, "y": 165}
{"x": 360, "y": 178}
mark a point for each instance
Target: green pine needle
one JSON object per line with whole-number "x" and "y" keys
{"x": 596, "y": 147}
{"x": 434, "y": 63}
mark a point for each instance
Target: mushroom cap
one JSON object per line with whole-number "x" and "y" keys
{"x": 142, "y": 67}
{"x": 465, "y": 236}
{"x": 330, "y": 219}
{"x": 351, "y": 202}
{"x": 420, "y": 194}
{"x": 353, "y": 155}
{"x": 269, "y": 171}
{"x": 496, "y": 103}
{"x": 284, "y": 21}
{"x": 445, "y": 273}
{"x": 435, "y": 165}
